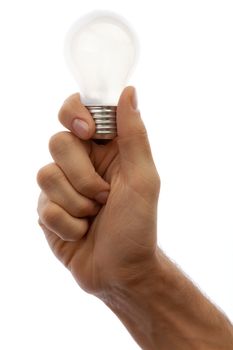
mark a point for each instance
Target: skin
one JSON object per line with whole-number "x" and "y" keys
{"x": 98, "y": 210}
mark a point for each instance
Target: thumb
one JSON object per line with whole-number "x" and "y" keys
{"x": 132, "y": 135}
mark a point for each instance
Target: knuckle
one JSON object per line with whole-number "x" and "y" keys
{"x": 48, "y": 175}
{"x": 154, "y": 187}
{"x": 148, "y": 183}
{"x": 40, "y": 203}
{"x": 68, "y": 107}
{"x": 64, "y": 111}
{"x": 50, "y": 215}
{"x": 138, "y": 140}
{"x": 140, "y": 131}
{"x": 59, "y": 142}
{"x": 83, "y": 226}
{"x": 158, "y": 183}
{"x": 88, "y": 183}
{"x": 154, "y": 182}
{"x": 85, "y": 208}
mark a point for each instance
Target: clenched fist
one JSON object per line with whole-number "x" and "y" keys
{"x": 98, "y": 202}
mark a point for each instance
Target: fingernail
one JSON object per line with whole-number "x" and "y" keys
{"x": 102, "y": 197}
{"x": 80, "y": 128}
{"x": 134, "y": 99}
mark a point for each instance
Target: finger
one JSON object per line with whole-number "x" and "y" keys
{"x": 76, "y": 117}
{"x": 134, "y": 148}
{"x": 64, "y": 251}
{"x": 59, "y": 221}
{"x": 73, "y": 157}
{"x": 56, "y": 186}
{"x": 132, "y": 135}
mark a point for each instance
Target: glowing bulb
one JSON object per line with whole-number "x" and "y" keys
{"x": 101, "y": 50}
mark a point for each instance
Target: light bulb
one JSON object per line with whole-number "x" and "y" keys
{"x": 101, "y": 51}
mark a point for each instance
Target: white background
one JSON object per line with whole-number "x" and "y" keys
{"x": 185, "y": 89}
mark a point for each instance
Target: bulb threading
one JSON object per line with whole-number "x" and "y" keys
{"x": 105, "y": 121}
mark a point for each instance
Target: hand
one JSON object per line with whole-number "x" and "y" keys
{"x": 98, "y": 203}
{"x": 98, "y": 211}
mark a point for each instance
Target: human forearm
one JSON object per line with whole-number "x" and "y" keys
{"x": 165, "y": 311}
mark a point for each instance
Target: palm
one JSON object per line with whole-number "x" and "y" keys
{"x": 123, "y": 231}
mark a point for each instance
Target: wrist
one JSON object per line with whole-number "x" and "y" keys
{"x": 138, "y": 285}
{"x": 162, "y": 308}
{"x": 131, "y": 299}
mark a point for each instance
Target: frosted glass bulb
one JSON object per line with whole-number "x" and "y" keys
{"x": 101, "y": 51}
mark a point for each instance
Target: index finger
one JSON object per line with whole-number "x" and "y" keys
{"x": 74, "y": 116}
{"x": 73, "y": 156}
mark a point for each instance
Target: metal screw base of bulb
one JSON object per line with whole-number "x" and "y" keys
{"x": 105, "y": 121}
